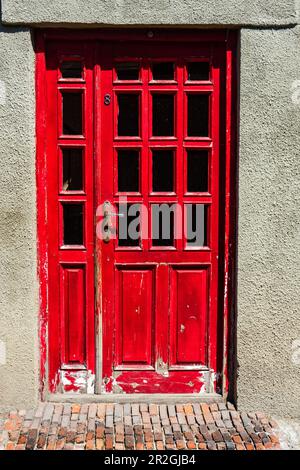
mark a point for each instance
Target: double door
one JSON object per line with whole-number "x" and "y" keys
{"x": 136, "y": 212}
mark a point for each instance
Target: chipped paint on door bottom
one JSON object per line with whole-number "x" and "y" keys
{"x": 77, "y": 381}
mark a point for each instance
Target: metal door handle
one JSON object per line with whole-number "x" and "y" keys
{"x": 106, "y": 221}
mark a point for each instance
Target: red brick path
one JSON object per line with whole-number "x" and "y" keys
{"x": 136, "y": 426}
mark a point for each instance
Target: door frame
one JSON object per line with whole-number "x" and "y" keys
{"x": 228, "y": 143}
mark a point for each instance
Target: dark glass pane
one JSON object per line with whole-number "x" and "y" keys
{"x": 163, "y": 71}
{"x": 128, "y": 118}
{"x": 163, "y": 170}
{"x": 129, "y": 224}
{"x": 128, "y": 170}
{"x": 196, "y": 216}
{"x": 197, "y": 171}
{"x": 72, "y": 169}
{"x": 71, "y": 69}
{"x": 128, "y": 71}
{"x": 198, "y": 71}
{"x": 73, "y": 224}
{"x": 198, "y": 115}
{"x": 163, "y": 217}
{"x": 72, "y": 113}
{"x": 163, "y": 115}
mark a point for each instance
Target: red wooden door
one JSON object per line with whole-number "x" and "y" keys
{"x": 138, "y": 131}
{"x": 67, "y": 230}
{"x": 158, "y": 155}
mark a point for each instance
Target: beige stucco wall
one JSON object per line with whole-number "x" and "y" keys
{"x": 156, "y": 12}
{"x": 18, "y": 279}
{"x": 268, "y": 295}
{"x": 268, "y": 276}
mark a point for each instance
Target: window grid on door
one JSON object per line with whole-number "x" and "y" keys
{"x": 165, "y": 98}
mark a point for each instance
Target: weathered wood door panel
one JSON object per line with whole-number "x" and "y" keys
{"x": 158, "y": 135}
{"x": 69, "y": 223}
{"x": 134, "y": 183}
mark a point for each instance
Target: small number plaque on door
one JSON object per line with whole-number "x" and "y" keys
{"x": 107, "y": 99}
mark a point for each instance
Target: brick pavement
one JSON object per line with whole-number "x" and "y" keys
{"x": 136, "y": 426}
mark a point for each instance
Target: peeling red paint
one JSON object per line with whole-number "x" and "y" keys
{"x": 77, "y": 381}
{"x": 41, "y": 210}
{"x": 130, "y": 382}
{"x": 161, "y": 273}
